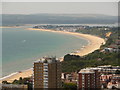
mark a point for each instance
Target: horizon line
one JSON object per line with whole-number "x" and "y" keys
{"x": 56, "y": 14}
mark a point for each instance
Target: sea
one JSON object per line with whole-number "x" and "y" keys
{"x": 21, "y": 47}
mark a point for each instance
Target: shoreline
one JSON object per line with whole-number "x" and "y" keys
{"x": 16, "y": 75}
{"x": 8, "y": 26}
{"x": 92, "y": 41}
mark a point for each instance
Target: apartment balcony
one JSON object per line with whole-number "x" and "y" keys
{"x": 46, "y": 79}
{"x": 45, "y": 75}
{"x": 45, "y": 69}
{"x": 45, "y": 64}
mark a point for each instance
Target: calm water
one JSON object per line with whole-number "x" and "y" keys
{"x": 20, "y": 48}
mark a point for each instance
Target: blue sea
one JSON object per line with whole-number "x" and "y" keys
{"x": 20, "y": 47}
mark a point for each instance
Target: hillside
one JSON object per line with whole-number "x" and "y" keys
{"x": 20, "y": 19}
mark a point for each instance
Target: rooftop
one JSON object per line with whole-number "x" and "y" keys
{"x": 87, "y": 70}
{"x": 47, "y": 60}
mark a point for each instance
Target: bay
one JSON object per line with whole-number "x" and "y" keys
{"x": 20, "y": 47}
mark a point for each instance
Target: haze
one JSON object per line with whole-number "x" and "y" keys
{"x": 106, "y": 8}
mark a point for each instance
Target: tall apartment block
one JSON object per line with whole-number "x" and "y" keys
{"x": 89, "y": 78}
{"x": 47, "y": 73}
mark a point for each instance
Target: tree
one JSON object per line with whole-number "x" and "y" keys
{"x": 5, "y": 82}
{"x": 70, "y": 86}
{"x": 15, "y": 82}
{"x": 20, "y": 80}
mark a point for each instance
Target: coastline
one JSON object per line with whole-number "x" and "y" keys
{"x": 16, "y": 75}
{"x": 10, "y": 26}
{"x": 94, "y": 44}
{"x": 94, "y": 41}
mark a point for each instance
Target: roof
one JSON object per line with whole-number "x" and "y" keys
{"x": 47, "y": 60}
{"x": 86, "y": 71}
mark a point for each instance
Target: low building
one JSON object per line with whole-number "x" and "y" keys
{"x": 70, "y": 77}
{"x": 14, "y": 87}
{"x": 106, "y": 78}
{"x": 113, "y": 85}
{"x": 110, "y": 81}
{"x": 108, "y": 69}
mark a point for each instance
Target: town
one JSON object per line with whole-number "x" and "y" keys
{"x": 70, "y": 27}
{"x": 47, "y": 74}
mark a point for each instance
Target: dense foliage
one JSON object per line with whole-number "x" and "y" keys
{"x": 92, "y": 60}
{"x": 69, "y": 86}
{"x": 100, "y": 31}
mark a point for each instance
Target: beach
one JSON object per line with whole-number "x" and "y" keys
{"x": 94, "y": 41}
{"x": 9, "y": 26}
{"x": 94, "y": 44}
{"x": 10, "y": 78}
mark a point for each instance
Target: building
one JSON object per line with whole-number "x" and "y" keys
{"x": 70, "y": 77}
{"x": 115, "y": 82}
{"x": 105, "y": 78}
{"x": 89, "y": 78}
{"x": 108, "y": 69}
{"x": 13, "y": 87}
{"x": 47, "y": 73}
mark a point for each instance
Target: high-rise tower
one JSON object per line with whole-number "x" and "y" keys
{"x": 47, "y": 73}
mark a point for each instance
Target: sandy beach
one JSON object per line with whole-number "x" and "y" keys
{"x": 94, "y": 44}
{"x": 10, "y": 27}
{"x": 17, "y": 75}
{"x": 94, "y": 41}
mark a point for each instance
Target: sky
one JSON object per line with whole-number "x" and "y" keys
{"x": 106, "y": 8}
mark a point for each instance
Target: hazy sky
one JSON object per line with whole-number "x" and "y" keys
{"x": 107, "y": 8}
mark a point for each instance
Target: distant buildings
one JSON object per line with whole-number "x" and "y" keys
{"x": 106, "y": 76}
{"x": 111, "y": 49}
{"x": 47, "y": 73}
{"x": 89, "y": 78}
{"x": 108, "y": 69}
{"x": 69, "y": 28}
{"x": 110, "y": 81}
{"x": 114, "y": 83}
{"x": 114, "y": 47}
{"x": 70, "y": 77}
{"x": 93, "y": 78}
